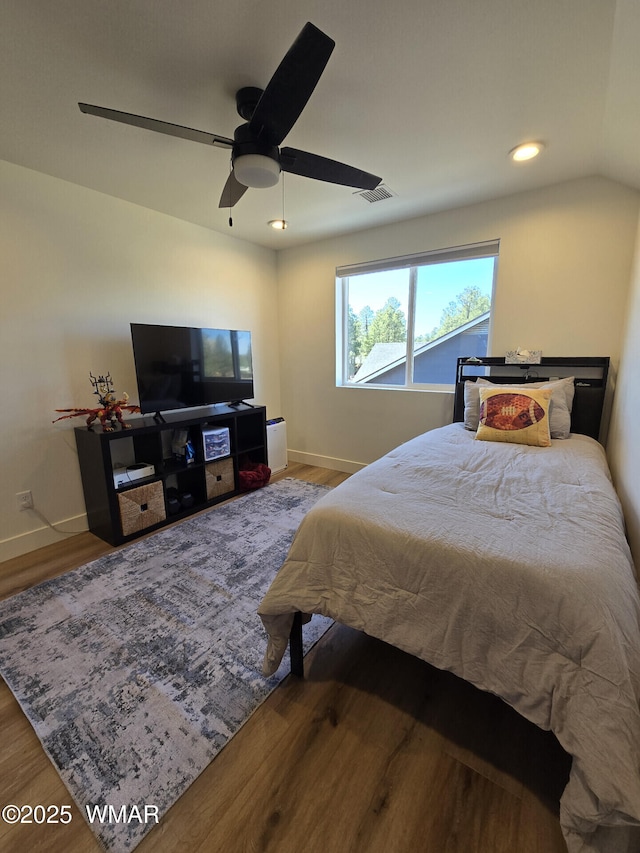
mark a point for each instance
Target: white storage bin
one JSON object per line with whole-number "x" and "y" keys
{"x": 216, "y": 443}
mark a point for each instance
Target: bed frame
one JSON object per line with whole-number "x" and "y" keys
{"x": 590, "y": 387}
{"x": 590, "y": 383}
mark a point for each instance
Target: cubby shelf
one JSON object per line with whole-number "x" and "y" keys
{"x": 177, "y": 488}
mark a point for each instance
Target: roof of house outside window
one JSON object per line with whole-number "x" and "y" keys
{"x": 432, "y": 358}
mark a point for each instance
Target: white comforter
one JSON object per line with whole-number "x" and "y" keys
{"x": 507, "y": 565}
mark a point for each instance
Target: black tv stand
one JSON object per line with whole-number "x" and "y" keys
{"x": 121, "y": 507}
{"x": 235, "y": 403}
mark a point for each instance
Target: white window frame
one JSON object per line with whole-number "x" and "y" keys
{"x": 486, "y": 249}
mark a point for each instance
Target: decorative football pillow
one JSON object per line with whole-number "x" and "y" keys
{"x": 519, "y": 416}
{"x": 559, "y": 412}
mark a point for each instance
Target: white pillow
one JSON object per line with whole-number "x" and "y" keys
{"x": 560, "y": 411}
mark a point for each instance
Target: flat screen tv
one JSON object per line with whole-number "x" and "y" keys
{"x": 181, "y": 368}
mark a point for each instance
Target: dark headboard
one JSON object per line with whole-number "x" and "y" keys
{"x": 590, "y": 383}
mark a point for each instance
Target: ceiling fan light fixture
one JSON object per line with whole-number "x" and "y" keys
{"x": 526, "y": 151}
{"x": 256, "y": 170}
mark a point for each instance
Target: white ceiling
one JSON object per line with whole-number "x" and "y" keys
{"x": 429, "y": 94}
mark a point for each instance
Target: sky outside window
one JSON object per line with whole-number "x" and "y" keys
{"x": 438, "y": 285}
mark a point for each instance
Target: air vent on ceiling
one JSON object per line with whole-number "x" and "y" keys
{"x": 380, "y": 193}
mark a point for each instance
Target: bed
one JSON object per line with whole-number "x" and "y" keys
{"x": 505, "y": 563}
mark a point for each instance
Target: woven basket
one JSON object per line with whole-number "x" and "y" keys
{"x": 220, "y": 478}
{"x": 141, "y": 507}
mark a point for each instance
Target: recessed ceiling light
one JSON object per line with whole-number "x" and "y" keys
{"x": 278, "y": 224}
{"x": 526, "y": 151}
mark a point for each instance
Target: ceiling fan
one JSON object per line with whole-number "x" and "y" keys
{"x": 269, "y": 115}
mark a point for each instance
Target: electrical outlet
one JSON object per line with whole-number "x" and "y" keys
{"x": 25, "y": 500}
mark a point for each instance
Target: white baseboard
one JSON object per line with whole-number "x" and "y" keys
{"x": 325, "y": 461}
{"x": 16, "y": 546}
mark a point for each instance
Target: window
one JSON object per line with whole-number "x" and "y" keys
{"x": 403, "y": 322}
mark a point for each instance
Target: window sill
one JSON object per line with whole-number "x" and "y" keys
{"x": 431, "y": 389}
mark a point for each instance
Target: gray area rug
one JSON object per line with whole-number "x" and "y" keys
{"x": 136, "y": 669}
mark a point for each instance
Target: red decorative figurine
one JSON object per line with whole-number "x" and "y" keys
{"x": 109, "y": 411}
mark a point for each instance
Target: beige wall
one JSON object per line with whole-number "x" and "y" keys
{"x": 624, "y": 436}
{"x": 565, "y": 264}
{"x": 77, "y": 268}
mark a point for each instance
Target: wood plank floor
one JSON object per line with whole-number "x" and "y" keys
{"x": 374, "y": 752}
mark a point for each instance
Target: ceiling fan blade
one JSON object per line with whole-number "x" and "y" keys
{"x": 323, "y": 169}
{"x": 232, "y": 192}
{"x": 158, "y": 126}
{"x": 291, "y": 86}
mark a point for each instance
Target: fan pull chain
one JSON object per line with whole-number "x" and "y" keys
{"x": 283, "y": 219}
